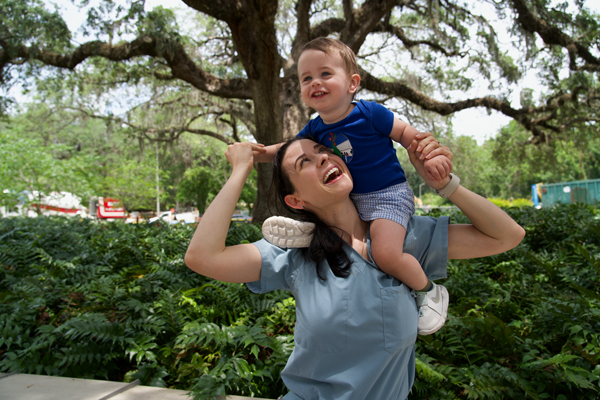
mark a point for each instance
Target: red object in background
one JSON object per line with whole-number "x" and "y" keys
{"x": 110, "y": 208}
{"x": 55, "y": 208}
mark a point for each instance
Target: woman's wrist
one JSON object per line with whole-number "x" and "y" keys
{"x": 450, "y": 187}
{"x": 242, "y": 170}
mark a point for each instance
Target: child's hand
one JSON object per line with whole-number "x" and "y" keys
{"x": 257, "y": 150}
{"x": 438, "y": 168}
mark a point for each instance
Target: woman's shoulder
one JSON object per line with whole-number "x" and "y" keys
{"x": 281, "y": 263}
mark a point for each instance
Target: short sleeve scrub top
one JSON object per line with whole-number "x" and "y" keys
{"x": 354, "y": 336}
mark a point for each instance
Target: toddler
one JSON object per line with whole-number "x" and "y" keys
{"x": 361, "y": 133}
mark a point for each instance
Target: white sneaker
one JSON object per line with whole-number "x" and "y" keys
{"x": 287, "y": 232}
{"x": 433, "y": 309}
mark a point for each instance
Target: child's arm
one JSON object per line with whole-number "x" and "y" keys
{"x": 437, "y": 168}
{"x": 403, "y": 133}
{"x": 264, "y": 154}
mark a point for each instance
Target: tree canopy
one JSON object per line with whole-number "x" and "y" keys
{"x": 235, "y": 62}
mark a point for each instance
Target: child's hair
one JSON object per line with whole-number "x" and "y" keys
{"x": 326, "y": 45}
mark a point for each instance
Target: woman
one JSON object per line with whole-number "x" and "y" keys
{"x": 356, "y": 326}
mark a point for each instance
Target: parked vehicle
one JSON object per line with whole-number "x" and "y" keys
{"x": 173, "y": 218}
{"x": 241, "y": 218}
{"x": 56, "y": 203}
{"x": 107, "y": 208}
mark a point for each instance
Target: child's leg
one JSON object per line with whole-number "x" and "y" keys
{"x": 387, "y": 248}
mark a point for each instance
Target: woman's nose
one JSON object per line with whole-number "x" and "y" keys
{"x": 323, "y": 157}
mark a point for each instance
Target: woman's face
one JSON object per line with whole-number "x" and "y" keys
{"x": 319, "y": 177}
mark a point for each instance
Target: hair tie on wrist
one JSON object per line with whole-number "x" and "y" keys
{"x": 450, "y": 187}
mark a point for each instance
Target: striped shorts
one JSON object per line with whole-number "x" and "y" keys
{"x": 396, "y": 203}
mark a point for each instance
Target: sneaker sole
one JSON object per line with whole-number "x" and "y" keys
{"x": 287, "y": 232}
{"x": 444, "y": 315}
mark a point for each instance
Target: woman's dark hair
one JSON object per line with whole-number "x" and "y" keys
{"x": 326, "y": 244}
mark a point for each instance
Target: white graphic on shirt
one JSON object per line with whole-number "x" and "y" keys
{"x": 341, "y": 146}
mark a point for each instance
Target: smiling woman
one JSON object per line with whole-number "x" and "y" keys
{"x": 356, "y": 325}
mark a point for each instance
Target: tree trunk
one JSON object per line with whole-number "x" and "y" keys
{"x": 294, "y": 112}
{"x": 255, "y": 40}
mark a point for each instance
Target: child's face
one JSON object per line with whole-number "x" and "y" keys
{"x": 325, "y": 84}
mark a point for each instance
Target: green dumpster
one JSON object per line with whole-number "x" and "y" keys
{"x": 587, "y": 192}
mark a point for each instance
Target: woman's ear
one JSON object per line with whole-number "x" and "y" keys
{"x": 294, "y": 202}
{"x": 354, "y": 83}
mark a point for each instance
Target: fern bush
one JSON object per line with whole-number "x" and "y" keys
{"x": 112, "y": 301}
{"x": 523, "y": 324}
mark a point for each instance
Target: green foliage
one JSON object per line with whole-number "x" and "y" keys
{"x": 523, "y": 324}
{"x": 114, "y": 301}
{"x": 519, "y": 165}
{"x": 196, "y": 185}
{"x": 91, "y": 156}
{"x": 518, "y": 203}
{"x": 27, "y": 21}
{"x": 26, "y": 165}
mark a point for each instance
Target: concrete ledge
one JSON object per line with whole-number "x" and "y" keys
{"x": 42, "y": 387}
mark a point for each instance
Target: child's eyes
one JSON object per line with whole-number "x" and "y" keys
{"x": 325, "y": 74}
{"x": 306, "y": 79}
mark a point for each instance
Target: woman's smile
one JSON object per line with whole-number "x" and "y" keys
{"x": 332, "y": 175}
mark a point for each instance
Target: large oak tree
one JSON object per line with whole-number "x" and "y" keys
{"x": 248, "y": 59}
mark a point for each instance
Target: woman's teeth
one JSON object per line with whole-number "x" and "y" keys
{"x": 328, "y": 174}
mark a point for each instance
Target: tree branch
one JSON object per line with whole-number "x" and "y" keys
{"x": 553, "y": 35}
{"x": 364, "y": 20}
{"x": 399, "y": 89}
{"x": 182, "y": 67}
{"x": 529, "y": 117}
{"x": 302, "y": 27}
{"x": 205, "y": 132}
{"x": 408, "y": 43}
{"x": 174, "y": 132}
{"x": 327, "y": 27}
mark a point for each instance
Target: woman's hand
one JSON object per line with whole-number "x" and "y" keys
{"x": 492, "y": 230}
{"x": 428, "y": 147}
{"x": 419, "y": 162}
{"x": 241, "y": 155}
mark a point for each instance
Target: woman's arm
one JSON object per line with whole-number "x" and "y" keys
{"x": 492, "y": 230}
{"x": 207, "y": 254}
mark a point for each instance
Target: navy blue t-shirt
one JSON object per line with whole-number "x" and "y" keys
{"x": 363, "y": 142}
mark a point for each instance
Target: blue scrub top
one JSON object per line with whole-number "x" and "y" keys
{"x": 355, "y": 336}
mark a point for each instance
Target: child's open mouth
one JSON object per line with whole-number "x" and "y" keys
{"x": 319, "y": 94}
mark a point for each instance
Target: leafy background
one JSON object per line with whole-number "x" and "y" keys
{"x": 113, "y": 301}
